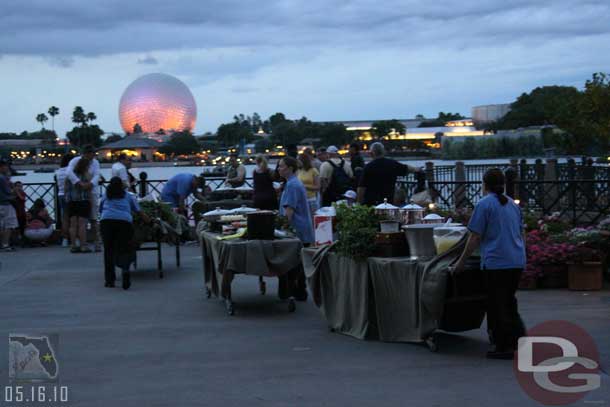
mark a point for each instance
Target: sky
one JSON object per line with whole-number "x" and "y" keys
{"x": 328, "y": 60}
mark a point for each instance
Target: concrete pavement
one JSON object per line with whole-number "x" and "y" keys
{"x": 163, "y": 344}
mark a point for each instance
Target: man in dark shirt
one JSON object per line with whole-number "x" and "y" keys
{"x": 378, "y": 180}
{"x": 355, "y": 158}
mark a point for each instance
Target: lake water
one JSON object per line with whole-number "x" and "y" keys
{"x": 163, "y": 173}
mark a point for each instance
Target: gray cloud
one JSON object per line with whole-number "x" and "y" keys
{"x": 66, "y": 27}
{"x": 148, "y": 60}
{"x": 61, "y": 61}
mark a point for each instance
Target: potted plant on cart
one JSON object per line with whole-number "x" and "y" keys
{"x": 586, "y": 268}
{"x": 357, "y": 228}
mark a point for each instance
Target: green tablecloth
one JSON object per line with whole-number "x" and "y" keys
{"x": 222, "y": 259}
{"x": 390, "y": 299}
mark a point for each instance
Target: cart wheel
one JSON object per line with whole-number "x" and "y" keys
{"x": 208, "y": 293}
{"x": 431, "y": 344}
{"x": 229, "y": 307}
{"x": 263, "y": 287}
{"x": 292, "y": 306}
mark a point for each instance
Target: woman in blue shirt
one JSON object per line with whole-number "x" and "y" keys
{"x": 497, "y": 226}
{"x": 117, "y": 230}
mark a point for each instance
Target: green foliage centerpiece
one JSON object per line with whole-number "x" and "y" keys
{"x": 357, "y": 227}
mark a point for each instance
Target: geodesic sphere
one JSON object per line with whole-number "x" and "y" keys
{"x": 157, "y": 101}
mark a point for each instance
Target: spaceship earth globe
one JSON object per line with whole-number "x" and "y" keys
{"x": 157, "y": 101}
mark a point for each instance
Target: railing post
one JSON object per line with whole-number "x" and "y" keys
{"x": 571, "y": 173}
{"x": 552, "y": 192}
{"x": 143, "y": 185}
{"x": 430, "y": 178}
{"x": 460, "y": 176}
{"x": 589, "y": 184}
{"x": 510, "y": 176}
{"x": 523, "y": 175}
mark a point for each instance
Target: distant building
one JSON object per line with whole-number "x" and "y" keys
{"x": 138, "y": 148}
{"x": 489, "y": 113}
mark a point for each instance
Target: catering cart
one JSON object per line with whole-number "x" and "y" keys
{"x": 223, "y": 259}
{"x": 151, "y": 238}
{"x": 395, "y": 299}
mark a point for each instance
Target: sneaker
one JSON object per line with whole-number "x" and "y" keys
{"x": 7, "y": 249}
{"x": 74, "y": 250}
{"x": 65, "y": 243}
{"x": 85, "y": 249}
{"x": 504, "y": 354}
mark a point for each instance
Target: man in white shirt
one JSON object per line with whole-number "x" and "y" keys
{"x": 119, "y": 169}
{"x": 89, "y": 152}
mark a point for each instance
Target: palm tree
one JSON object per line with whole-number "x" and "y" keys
{"x": 53, "y": 111}
{"x": 78, "y": 116}
{"x": 41, "y": 118}
{"x": 91, "y": 117}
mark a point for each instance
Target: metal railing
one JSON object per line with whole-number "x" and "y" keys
{"x": 581, "y": 201}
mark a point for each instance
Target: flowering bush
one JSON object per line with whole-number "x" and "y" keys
{"x": 542, "y": 250}
{"x": 588, "y": 244}
{"x": 553, "y": 225}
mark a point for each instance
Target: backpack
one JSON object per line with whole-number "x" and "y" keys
{"x": 340, "y": 182}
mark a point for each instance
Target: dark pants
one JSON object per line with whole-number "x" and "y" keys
{"x": 503, "y": 318}
{"x": 116, "y": 235}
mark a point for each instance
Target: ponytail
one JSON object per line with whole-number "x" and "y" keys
{"x": 494, "y": 182}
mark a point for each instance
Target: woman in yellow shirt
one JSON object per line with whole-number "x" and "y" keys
{"x": 310, "y": 177}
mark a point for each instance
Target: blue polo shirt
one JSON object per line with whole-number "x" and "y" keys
{"x": 295, "y": 197}
{"x": 501, "y": 230}
{"x": 178, "y": 186}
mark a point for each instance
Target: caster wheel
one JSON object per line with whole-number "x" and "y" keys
{"x": 292, "y": 306}
{"x": 431, "y": 344}
{"x": 263, "y": 288}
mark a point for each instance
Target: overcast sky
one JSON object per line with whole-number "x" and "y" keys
{"x": 324, "y": 59}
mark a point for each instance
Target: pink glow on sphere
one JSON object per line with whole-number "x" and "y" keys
{"x": 157, "y": 101}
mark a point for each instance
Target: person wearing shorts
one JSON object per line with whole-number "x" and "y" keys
{"x": 78, "y": 195}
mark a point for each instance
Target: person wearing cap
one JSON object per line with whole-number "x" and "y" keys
{"x": 179, "y": 187}
{"x": 236, "y": 177}
{"x": 92, "y": 186}
{"x": 350, "y": 198}
{"x": 8, "y": 217}
{"x": 378, "y": 181}
{"x": 335, "y": 177}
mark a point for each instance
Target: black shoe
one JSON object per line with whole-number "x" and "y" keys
{"x": 109, "y": 285}
{"x": 126, "y": 280}
{"x": 301, "y": 295}
{"x": 507, "y": 354}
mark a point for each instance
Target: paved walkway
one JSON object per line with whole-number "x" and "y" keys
{"x": 163, "y": 344}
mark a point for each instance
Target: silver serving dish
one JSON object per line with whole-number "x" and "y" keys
{"x": 387, "y": 211}
{"x": 214, "y": 216}
{"x": 412, "y": 214}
